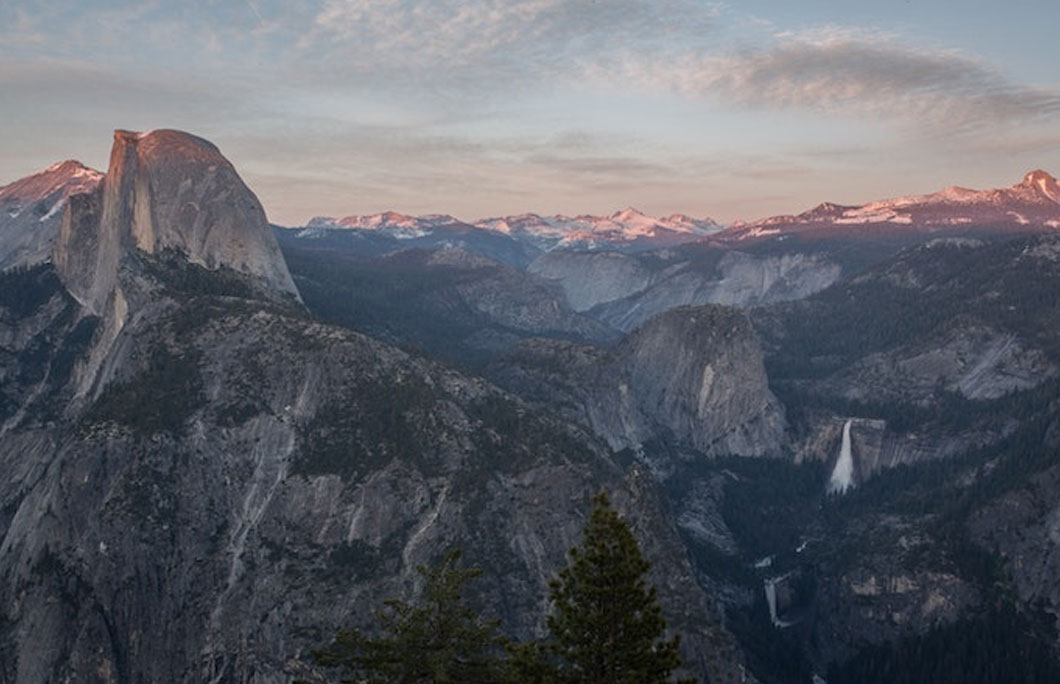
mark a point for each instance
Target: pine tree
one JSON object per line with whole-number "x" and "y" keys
{"x": 607, "y": 626}
{"x": 437, "y": 640}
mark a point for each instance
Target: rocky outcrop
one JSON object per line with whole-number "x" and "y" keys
{"x": 592, "y": 278}
{"x": 625, "y": 291}
{"x": 692, "y": 379}
{"x": 167, "y": 190}
{"x": 31, "y": 211}
{"x": 698, "y": 374}
{"x": 886, "y": 597}
{"x": 741, "y": 280}
{"x": 1024, "y": 526}
{"x": 972, "y": 360}
{"x": 875, "y": 447}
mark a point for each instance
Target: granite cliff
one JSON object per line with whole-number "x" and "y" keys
{"x": 164, "y": 191}
{"x": 31, "y": 211}
{"x": 691, "y": 379}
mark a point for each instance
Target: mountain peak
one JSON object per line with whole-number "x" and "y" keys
{"x": 166, "y": 189}
{"x": 31, "y": 210}
{"x": 171, "y": 142}
{"x": 1044, "y": 183}
{"x": 627, "y": 214}
{"x": 69, "y": 176}
{"x": 824, "y": 211}
{"x": 1038, "y": 176}
{"x": 70, "y": 167}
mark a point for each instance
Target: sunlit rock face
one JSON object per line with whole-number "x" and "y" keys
{"x": 31, "y": 210}
{"x": 626, "y": 290}
{"x": 167, "y": 190}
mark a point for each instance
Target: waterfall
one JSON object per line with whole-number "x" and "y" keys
{"x": 843, "y": 474}
{"x": 770, "y": 586}
{"x": 771, "y": 600}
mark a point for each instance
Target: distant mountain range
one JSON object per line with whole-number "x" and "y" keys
{"x": 1033, "y": 205}
{"x": 626, "y": 229}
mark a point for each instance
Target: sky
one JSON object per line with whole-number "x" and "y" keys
{"x": 477, "y": 108}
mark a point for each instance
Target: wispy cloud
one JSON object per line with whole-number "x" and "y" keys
{"x": 474, "y": 45}
{"x": 464, "y": 51}
{"x": 458, "y": 31}
{"x": 477, "y": 44}
{"x": 843, "y": 71}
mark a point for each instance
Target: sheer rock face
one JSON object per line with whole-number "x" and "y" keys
{"x": 692, "y": 379}
{"x": 167, "y": 190}
{"x": 590, "y": 279}
{"x": 698, "y": 373}
{"x": 625, "y": 291}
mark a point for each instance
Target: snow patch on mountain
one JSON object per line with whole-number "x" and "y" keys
{"x": 1033, "y": 202}
{"x": 399, "y": 226}
{"x": 53, "y": 211}
{"x": 624, "y": 227}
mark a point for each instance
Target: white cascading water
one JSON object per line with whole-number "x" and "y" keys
{"x": 770, "y": 586}
{"x": 843, "y": 474}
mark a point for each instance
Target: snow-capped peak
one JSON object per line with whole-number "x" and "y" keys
{"x": 70, "y": 168}
{"x": 636, "y": 221}
{"x": 628, "y": 214}
{"x": 69, "y": 177}
{"x": 58, "y": 166}
{"x": 385, "y": 219}
{"x": 1029, "y": 204}
{"x": 626, "y": 228}
{"x": 1044, "y": 183}
{"x": 401, "y": 226}
{"x": 439, "y": 219}
{"x": 1037, "y": 177}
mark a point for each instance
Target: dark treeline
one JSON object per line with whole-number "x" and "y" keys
{"x": 605, "y": 626}
{"x": 1002, "y": 646}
